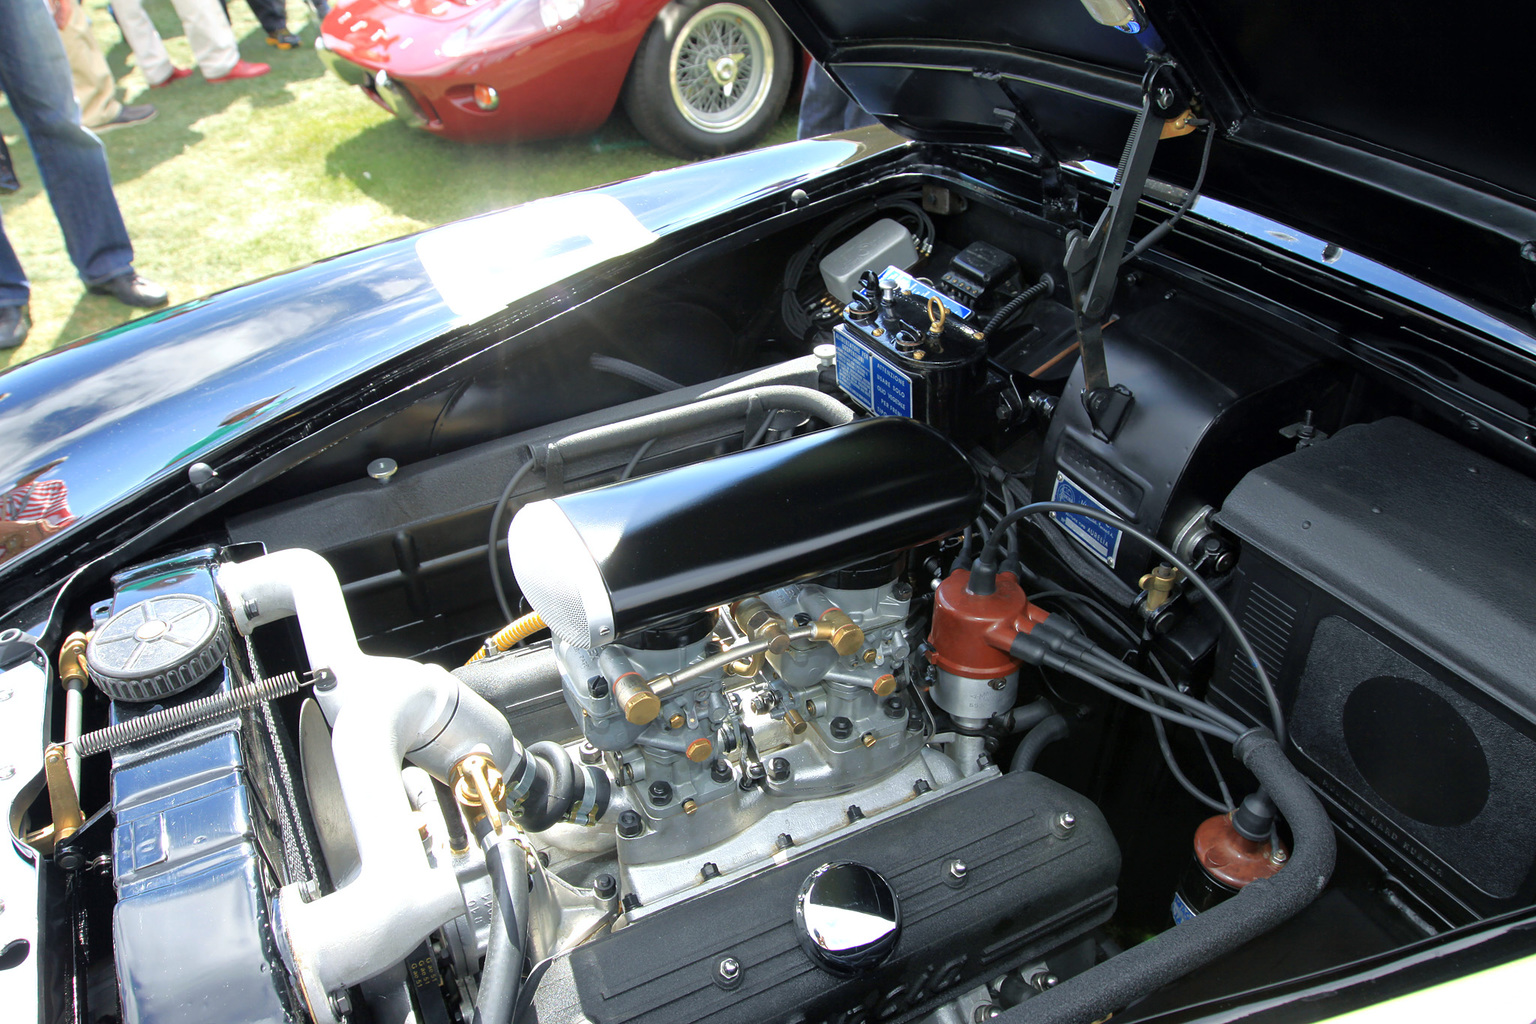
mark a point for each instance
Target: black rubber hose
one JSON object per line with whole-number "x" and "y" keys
{"x": 633, "y": 372}
{"x": 1036, "y": 740}
{"x": 555, "y": 788}
{"x": 507, "y": 943}
{"x": 1257, "y": 908}
{"x": 458, "y": 838}
{"x": 1044, "y": 286}
{"x": 1027, "y": 716}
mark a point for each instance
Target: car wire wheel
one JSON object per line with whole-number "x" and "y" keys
{"x": 721, "y": 67}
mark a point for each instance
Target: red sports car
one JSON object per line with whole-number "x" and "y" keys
{"x": 697, "y": 77}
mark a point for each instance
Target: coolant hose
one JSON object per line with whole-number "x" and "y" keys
{"x": 555, "y": 788}
{"x": 508, "y": 940}
{"x": 1258, "y": 907}
{"x": 1037, "y": 739}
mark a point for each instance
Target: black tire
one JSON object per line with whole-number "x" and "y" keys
{"x": 682, "y": 92}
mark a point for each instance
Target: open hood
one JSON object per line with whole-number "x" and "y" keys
{"x": 1403, "y": 132}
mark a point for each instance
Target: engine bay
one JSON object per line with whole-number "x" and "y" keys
{"x": 782, "y": 637}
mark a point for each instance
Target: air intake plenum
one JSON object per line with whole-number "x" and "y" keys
{"x": 602, "y": 563}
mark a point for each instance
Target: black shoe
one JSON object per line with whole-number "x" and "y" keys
{"x": 136, "y": 114}
{"x": 284, "y": 40}
{"x": 131, "y": 290}
{"x": 15, "y": 322}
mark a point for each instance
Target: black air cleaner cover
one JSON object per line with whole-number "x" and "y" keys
{"x": 605, "y": 562}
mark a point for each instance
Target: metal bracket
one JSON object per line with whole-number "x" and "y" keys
{"x": 1092, "y": 261}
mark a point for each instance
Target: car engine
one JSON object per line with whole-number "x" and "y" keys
{"x": 890, "y": 682}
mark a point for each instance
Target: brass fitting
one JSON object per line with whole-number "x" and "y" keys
{"x": 689, "y": 806}
{"x": 869, "y": 656}
{"x": 700, "y": 750}
{"x": 760, "y": 622}
{"x": 636, "y": 698}
{"x": 477, "y": 785}
{"x": 846, "y": 637}
{"x": 884, "y": 686}
{"x": 72, "y": 659}
{"x": 794, "y": 721}
{"x": 65, "y": 804}
{"x": 1159, "y": 584}
{"x": 868, "y": 739}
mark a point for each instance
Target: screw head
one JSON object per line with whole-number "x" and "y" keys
{"x": 985, "y": 1012}
{"x": 1066, "y": 821}
{"x": 729, "y": 969}
{"x": 1042, "y": 980}
{"x": 957, "y": 869}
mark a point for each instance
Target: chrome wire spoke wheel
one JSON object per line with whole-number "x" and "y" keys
{"x": 721, "y": 68}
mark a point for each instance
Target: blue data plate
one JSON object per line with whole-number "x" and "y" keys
{"x": 875, "y": 384}
{"x": 1101, "y": 539}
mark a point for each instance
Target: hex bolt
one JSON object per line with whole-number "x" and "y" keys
{"x": 841, "y": 728}
{"x": 957, "y": 869}
{"x": 720, "y": 770}
{"x": 855, "y": 813}
{"x": 710, "y": 870}
{"x": 784, "y": 842}
{"x": 325, "y": 680}
{"x": 778, "y": 769}
{"x": 341, "y": 1005}
{"x": 1066, "y": 821}
{"x": 895, "y": 707}
{"x": 921, "y": 786}
{"x": 605, "y": 887}
{"x": 630, "y": 824}
{"x": 729, "y": 969}
{"x": 1042, "y": 980}
{"x": 985, "y": 1012}
{"x": 630, "y": 901}
{"x": 309, "y": 890}
{"x": 660, "y": 792}
{"x": 590, "y": 755}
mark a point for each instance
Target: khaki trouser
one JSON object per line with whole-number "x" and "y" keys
{"x": 207, "y": 29}
{"x": 94, "y": 88}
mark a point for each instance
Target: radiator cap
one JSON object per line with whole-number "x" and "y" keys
{"x": 157, "y": 648}
{"x": 847, "y": 918}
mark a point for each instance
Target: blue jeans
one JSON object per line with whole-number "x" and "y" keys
{"x": 824, "y": 108}
{"x": 35, "y": 76}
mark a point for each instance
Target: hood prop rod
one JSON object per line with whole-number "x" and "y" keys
{"x": 1093, "y": 260}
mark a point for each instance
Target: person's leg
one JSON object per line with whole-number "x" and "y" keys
{"x": 94, "y": 88}
{"x": 15, "y": 290}
{"x": 213, "y": 41}
{"x": 143, "y": 38}
{"x": 825, "y": 108}
{"x": 273, "y": 15}
{"x": 35, "y": 76}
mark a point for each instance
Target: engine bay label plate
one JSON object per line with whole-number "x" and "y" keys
{"x": 878, "y": 386}
{"x": 1101, "y": 539}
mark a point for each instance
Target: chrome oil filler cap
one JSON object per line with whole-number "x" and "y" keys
{"x": 847, "y": 918}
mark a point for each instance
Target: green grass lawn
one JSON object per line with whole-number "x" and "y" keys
{"x": 237, "y": 180}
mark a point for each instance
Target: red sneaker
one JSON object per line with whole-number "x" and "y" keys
{"x": 173, "y": 76}
{"x": 243, "y": 69}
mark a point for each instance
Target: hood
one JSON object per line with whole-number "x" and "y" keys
{"x": 1404, "y": 132}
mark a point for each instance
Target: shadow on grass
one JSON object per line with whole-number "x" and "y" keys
{"x": 419, "y": 175}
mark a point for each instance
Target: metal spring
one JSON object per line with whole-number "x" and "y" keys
{"x": 158, "y": 723}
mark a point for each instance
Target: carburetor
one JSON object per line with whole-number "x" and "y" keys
{"x": 724, "y": 758}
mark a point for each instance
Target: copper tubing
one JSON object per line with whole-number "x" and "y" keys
{"x": 505, "y": 640}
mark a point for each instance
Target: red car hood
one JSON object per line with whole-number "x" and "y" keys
{"x": 417, "y": 37}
